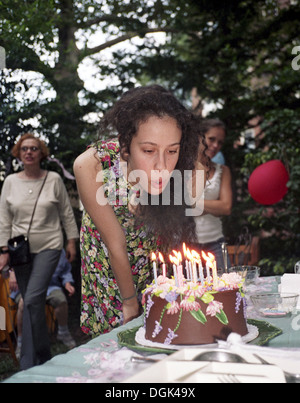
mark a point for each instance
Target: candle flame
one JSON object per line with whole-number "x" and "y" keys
{"x": 177, "y": 259}
{"x": 179, "y": 256}
{"x": 161, "y": 258}
{"x": 174, "y": 260}
{"x": 209, "y": 258}
{"x": 189, "y": 255}
{"x": 175, "y": 253}
{"x": 195, "y": 255}
{"x": 153, "y": 256}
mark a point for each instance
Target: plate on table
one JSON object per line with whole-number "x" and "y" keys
{"x": 127, "y": 338}
{"x": 267, "y": 332}
{"x": 182, "y": 368}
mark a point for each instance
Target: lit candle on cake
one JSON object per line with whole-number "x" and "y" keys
{"x": 161, "y": 258}
{"x": 211, "y": 263}
{"x": 178, "y": 260}
{"x": 200, "y": 268}
{"x": 153, "y": 256}
{"x": 179, "y": 270}
{"x": 173, "y": 261}
{"x": 195, "y": 276}
{"x": 187, "y": 263}
{"x": 187, "y": 269}
{"x": 206, "y": 258}
{"x": 190, "y": 271}
{"x": 194, "y": 269}
{"x": 214, "y": 269}
{"x": 192, "y": 263}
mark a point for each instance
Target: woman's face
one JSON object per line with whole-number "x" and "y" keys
{"x": 215, "y": 139}
{"x": 154, "y": 153}
{"x": 30, "y": 153}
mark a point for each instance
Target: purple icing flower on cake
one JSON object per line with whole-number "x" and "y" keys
{"x": 171, "y": 296}
{"x": 245, "y": 307}
{"x": 150, "y": 303}
{"x": 171, "y": 336}
{"x": 238, "y": 302}
{"x": 157, "y": 330}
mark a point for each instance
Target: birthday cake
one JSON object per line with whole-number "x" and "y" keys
{"x": 194, "y": 310}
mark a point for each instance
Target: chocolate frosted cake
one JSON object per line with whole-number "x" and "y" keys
{"x": 194, "y": 313}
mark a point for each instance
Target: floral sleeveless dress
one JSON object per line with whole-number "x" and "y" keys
{"x": 101, "y": 300}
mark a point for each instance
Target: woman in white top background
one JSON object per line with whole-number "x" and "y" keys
{"x": 217, "y": 193}
{"x": 53, "y": 211}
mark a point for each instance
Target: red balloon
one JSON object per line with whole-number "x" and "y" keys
{"x": 267, "y": 183}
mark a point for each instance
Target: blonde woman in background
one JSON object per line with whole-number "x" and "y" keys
{"x": 19, "y": 193}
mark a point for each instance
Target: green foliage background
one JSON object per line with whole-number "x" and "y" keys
{"x": 237, "y": 54}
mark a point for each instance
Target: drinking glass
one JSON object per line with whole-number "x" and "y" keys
{"x": 297, "y": 267}
{"x": 249, "y": 273}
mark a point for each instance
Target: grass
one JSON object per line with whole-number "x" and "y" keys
{"x": 9, "y": 368}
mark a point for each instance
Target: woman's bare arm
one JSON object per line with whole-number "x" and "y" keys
{"x": 223, "y": 205}
{"x": 87, "y": 168}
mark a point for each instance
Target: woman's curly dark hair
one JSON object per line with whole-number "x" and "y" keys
{"x": 135, "y": 107}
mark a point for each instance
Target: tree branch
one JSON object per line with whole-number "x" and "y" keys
{"x": 28, "y": 60}
{"x": 122, "y": 38}
{"x": 106, "y": 18}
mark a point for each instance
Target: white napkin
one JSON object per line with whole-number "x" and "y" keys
{"x": 288, "y": 359}
{"x": 290, "y": 283}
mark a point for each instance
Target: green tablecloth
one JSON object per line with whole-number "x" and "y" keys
{"x": 103, "y": 360}
{"x": 290, "y": 326}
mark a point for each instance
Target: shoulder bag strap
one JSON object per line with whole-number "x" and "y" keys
{"x": 36, "y": 203}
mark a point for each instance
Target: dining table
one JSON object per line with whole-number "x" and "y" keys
{"x": 109, "y": 358}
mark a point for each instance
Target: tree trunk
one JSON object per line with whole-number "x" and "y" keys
{"x": 66, "y": 80}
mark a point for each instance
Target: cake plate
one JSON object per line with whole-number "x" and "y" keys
{"x": 266, "y": 332}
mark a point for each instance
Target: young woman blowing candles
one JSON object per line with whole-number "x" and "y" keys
{"x": 122, "y": 183}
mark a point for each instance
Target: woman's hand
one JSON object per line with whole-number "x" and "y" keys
{"x": 13, "y": 285}
{"x": 4, "y": 259}
{"x": 71, "y": 250}
{"x": 131, "y": 310}
{"x": 70, "y": 289}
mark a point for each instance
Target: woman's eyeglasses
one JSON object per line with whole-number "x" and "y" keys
{"x": 32, "y": 149}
